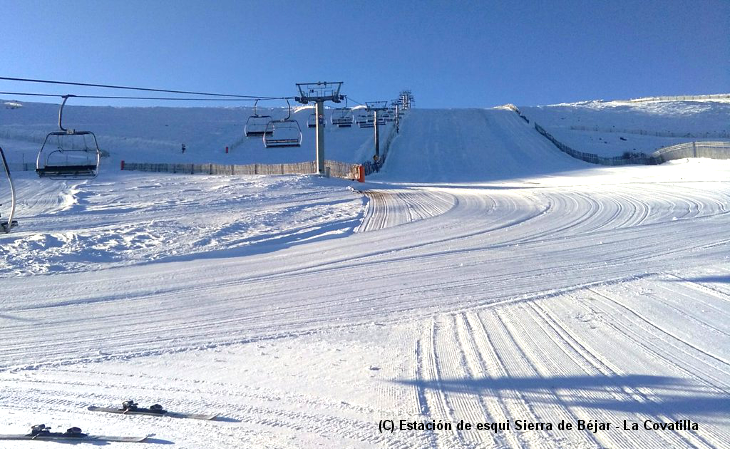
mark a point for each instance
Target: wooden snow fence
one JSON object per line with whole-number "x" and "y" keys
{"x": 333, "y": 168}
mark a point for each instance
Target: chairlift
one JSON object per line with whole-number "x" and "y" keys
{"x": 256, "y": 124}
{"x": 396, "y": 105}
{"x": 365, "y": 119}
{"x": 283, "y": 133}
{"x": 312, "y": 121}
{"x": 7, "y": 225}
{"x": 68, "y": 154}
{"x": 342, "y": 117}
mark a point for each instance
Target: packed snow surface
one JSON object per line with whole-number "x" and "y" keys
{"x": 483, "y": 276}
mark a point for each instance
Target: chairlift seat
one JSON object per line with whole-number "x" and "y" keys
{"x": 342, "y": 117}
{"x": 312, "y": 121}
{"x": 283, "y": 133}
{"x": 284, "y": 142}
{"x": 66, "y": 161}
{"x": 368, "y": 122}
{"x": 256, "y": 125}
{"x": 67, "y": 171}
{"x": 4, "y": 225}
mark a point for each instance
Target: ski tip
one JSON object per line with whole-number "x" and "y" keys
{"x": 149, "y": 439}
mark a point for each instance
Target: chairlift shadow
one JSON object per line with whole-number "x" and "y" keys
{"x": 672, "y": 396}
{"x": 703, "y": 279}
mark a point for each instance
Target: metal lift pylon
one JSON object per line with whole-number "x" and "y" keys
{"x": 319, "y": 93}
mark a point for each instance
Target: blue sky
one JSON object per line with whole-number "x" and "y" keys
{"x": 450, "y": 53}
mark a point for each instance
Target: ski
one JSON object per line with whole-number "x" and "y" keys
{"x": 62, "y": 437}
{"x": 131, "y": 408}
{"x": 43, "y": 433}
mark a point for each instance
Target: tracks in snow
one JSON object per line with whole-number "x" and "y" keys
{"x": 506, "y": 281}
{"x": 575, "y": 356}
{"x": 393, "y": 208}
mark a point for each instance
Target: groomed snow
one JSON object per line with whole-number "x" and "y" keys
{"x": 485, "y": 276}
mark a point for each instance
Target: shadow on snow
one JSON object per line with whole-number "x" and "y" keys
{"x": 671, "y": 396}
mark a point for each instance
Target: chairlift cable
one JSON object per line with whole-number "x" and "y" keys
{"x": 121, "y": 97}
{"x": 147, "y": 89}
{"x": 355, "y": 101}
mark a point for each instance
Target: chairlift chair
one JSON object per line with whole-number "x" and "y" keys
{"x": 312, "y": 121}
{"x": 342, "y": 117}
{"x": 256, "y": 124}
{"x": 283, "y": 133}
{"x": 76, "y": 154}
{"x": 7, "y": 225}
{"x": 365, "y": 119}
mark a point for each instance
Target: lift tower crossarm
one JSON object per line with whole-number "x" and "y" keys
{"x": 319, "y": 91}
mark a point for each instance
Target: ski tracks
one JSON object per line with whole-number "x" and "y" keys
{"x": 579, "y": 356}
{"x": 392, "y": 208}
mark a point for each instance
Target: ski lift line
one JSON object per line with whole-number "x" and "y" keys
{"x": 121, "y": 97}
{"x": 146, "y": 89}
{"x": 355, "y": 101}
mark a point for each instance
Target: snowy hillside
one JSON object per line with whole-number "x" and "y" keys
{"x": 471, "y": 145}
{"x": 609, "y": 128}
{"x": 156, "y": 134}
{"x": 482, "y": 276}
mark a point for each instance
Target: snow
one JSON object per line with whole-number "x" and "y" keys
{"x": 156, "y": 134}
{"x": 484, "y": 276}
{"x": 609, "y": 128}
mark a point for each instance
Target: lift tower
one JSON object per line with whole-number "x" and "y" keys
{"x": 319, "y": 93}
{"x": 374, "y": 107}
{"x": 406, "y": 99}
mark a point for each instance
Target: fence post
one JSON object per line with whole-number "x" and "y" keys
{"x": 360, "y": 173}
{"x": 122, "y": 167}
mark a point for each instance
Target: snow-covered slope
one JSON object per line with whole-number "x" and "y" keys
{"x": 609, "y": 128}
{"x": 486, "y": 277}
{"x": 156, "y": 134}
{"x": 468, "y": 145}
